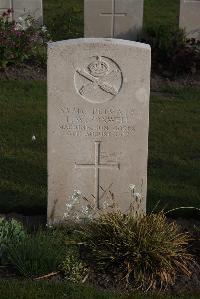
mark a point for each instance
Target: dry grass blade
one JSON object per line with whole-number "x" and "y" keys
{"x": 146, "y": 251}
{"x": 47, "y": 275}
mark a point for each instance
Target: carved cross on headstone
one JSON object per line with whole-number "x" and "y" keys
{"x": 97, "y": 166}
{"x": 113, "y": 15}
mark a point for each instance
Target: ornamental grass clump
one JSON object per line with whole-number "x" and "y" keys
{"x": 10, "y": 231}
{"x": 145, "y": 252}
{"x": 37, "y": 254}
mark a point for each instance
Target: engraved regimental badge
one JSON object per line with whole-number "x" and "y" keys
{"x": 98, "y": 80}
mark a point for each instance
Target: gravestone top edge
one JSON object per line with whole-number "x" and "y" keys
{"x": 107, "y": 41}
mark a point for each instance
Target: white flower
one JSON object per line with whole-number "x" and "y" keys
{"x": 18, "y": 27}
{"x": 20, "y": 19}
{"x": 78, "y": 192}
{"x": 76, "y": 195}
{"x": 85, "y": 210}
{"x": 105, "y": 205}
{"x": 22, "y": 24}
{"x": 138, "y": 196}
{"x": 68, "y": 205}
{"x": 33, "y": 138}
{"x": 132, "y": 187}
{"x": 49, "y": 225}
{"x": 66, "y": 215}
{"x": 44, "y": 29}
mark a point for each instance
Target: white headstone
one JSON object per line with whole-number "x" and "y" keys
{"x": 113, "y": 18}
{"x": 98, "y": 119}
{"x": 190, "y": 18}
{"x": 23, "y": 8}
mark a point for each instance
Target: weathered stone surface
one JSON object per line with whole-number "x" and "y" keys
{"x": 98, "y": 116}
{"x": 113, "y": 18}
{"x": 23, "y": 8}
{"x": 4, "y": 5}
{"x": 190, "y": 17}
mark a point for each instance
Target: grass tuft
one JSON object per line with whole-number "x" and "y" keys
{"x": 38, "y": 254}
{"x": 145, "y": 252}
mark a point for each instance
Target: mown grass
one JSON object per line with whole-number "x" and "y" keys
{"x": 46, "y": 290}
{"x": 65, "y": 18}
{"x": 23, "y": 170}
{"x": 174, "y": 160}
{"x": 157, "y": 12}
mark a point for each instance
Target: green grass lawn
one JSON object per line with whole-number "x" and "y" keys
{"x": 174, "y": 160}
{"x": 64, "y": 18}
{"x": 44, "y": 290}
{"x": 23, "y": 162}
{"x": 157, "y": 12}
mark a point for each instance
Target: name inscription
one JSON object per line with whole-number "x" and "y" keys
{"x": 97, "y": 122}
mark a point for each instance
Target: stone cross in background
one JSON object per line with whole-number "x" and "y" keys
{"x": 5, "y": 5}
{"x": 23, "y": 8}
{"x": 190, "y": 18}
{"x": 113, "y": 18}
{"x": 98, "y": 119}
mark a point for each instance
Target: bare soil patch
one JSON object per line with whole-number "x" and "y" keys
{"x": 183, "y": 284}
{"x": 23, "y": 72}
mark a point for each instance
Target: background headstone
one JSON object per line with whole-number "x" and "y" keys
{"x": 113, "y": 18}
{"x": 190, "y": 17}
{"x": 23, "y": 8}
{"x": 98, "y": 119}
{"x": 4, "y": 5}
